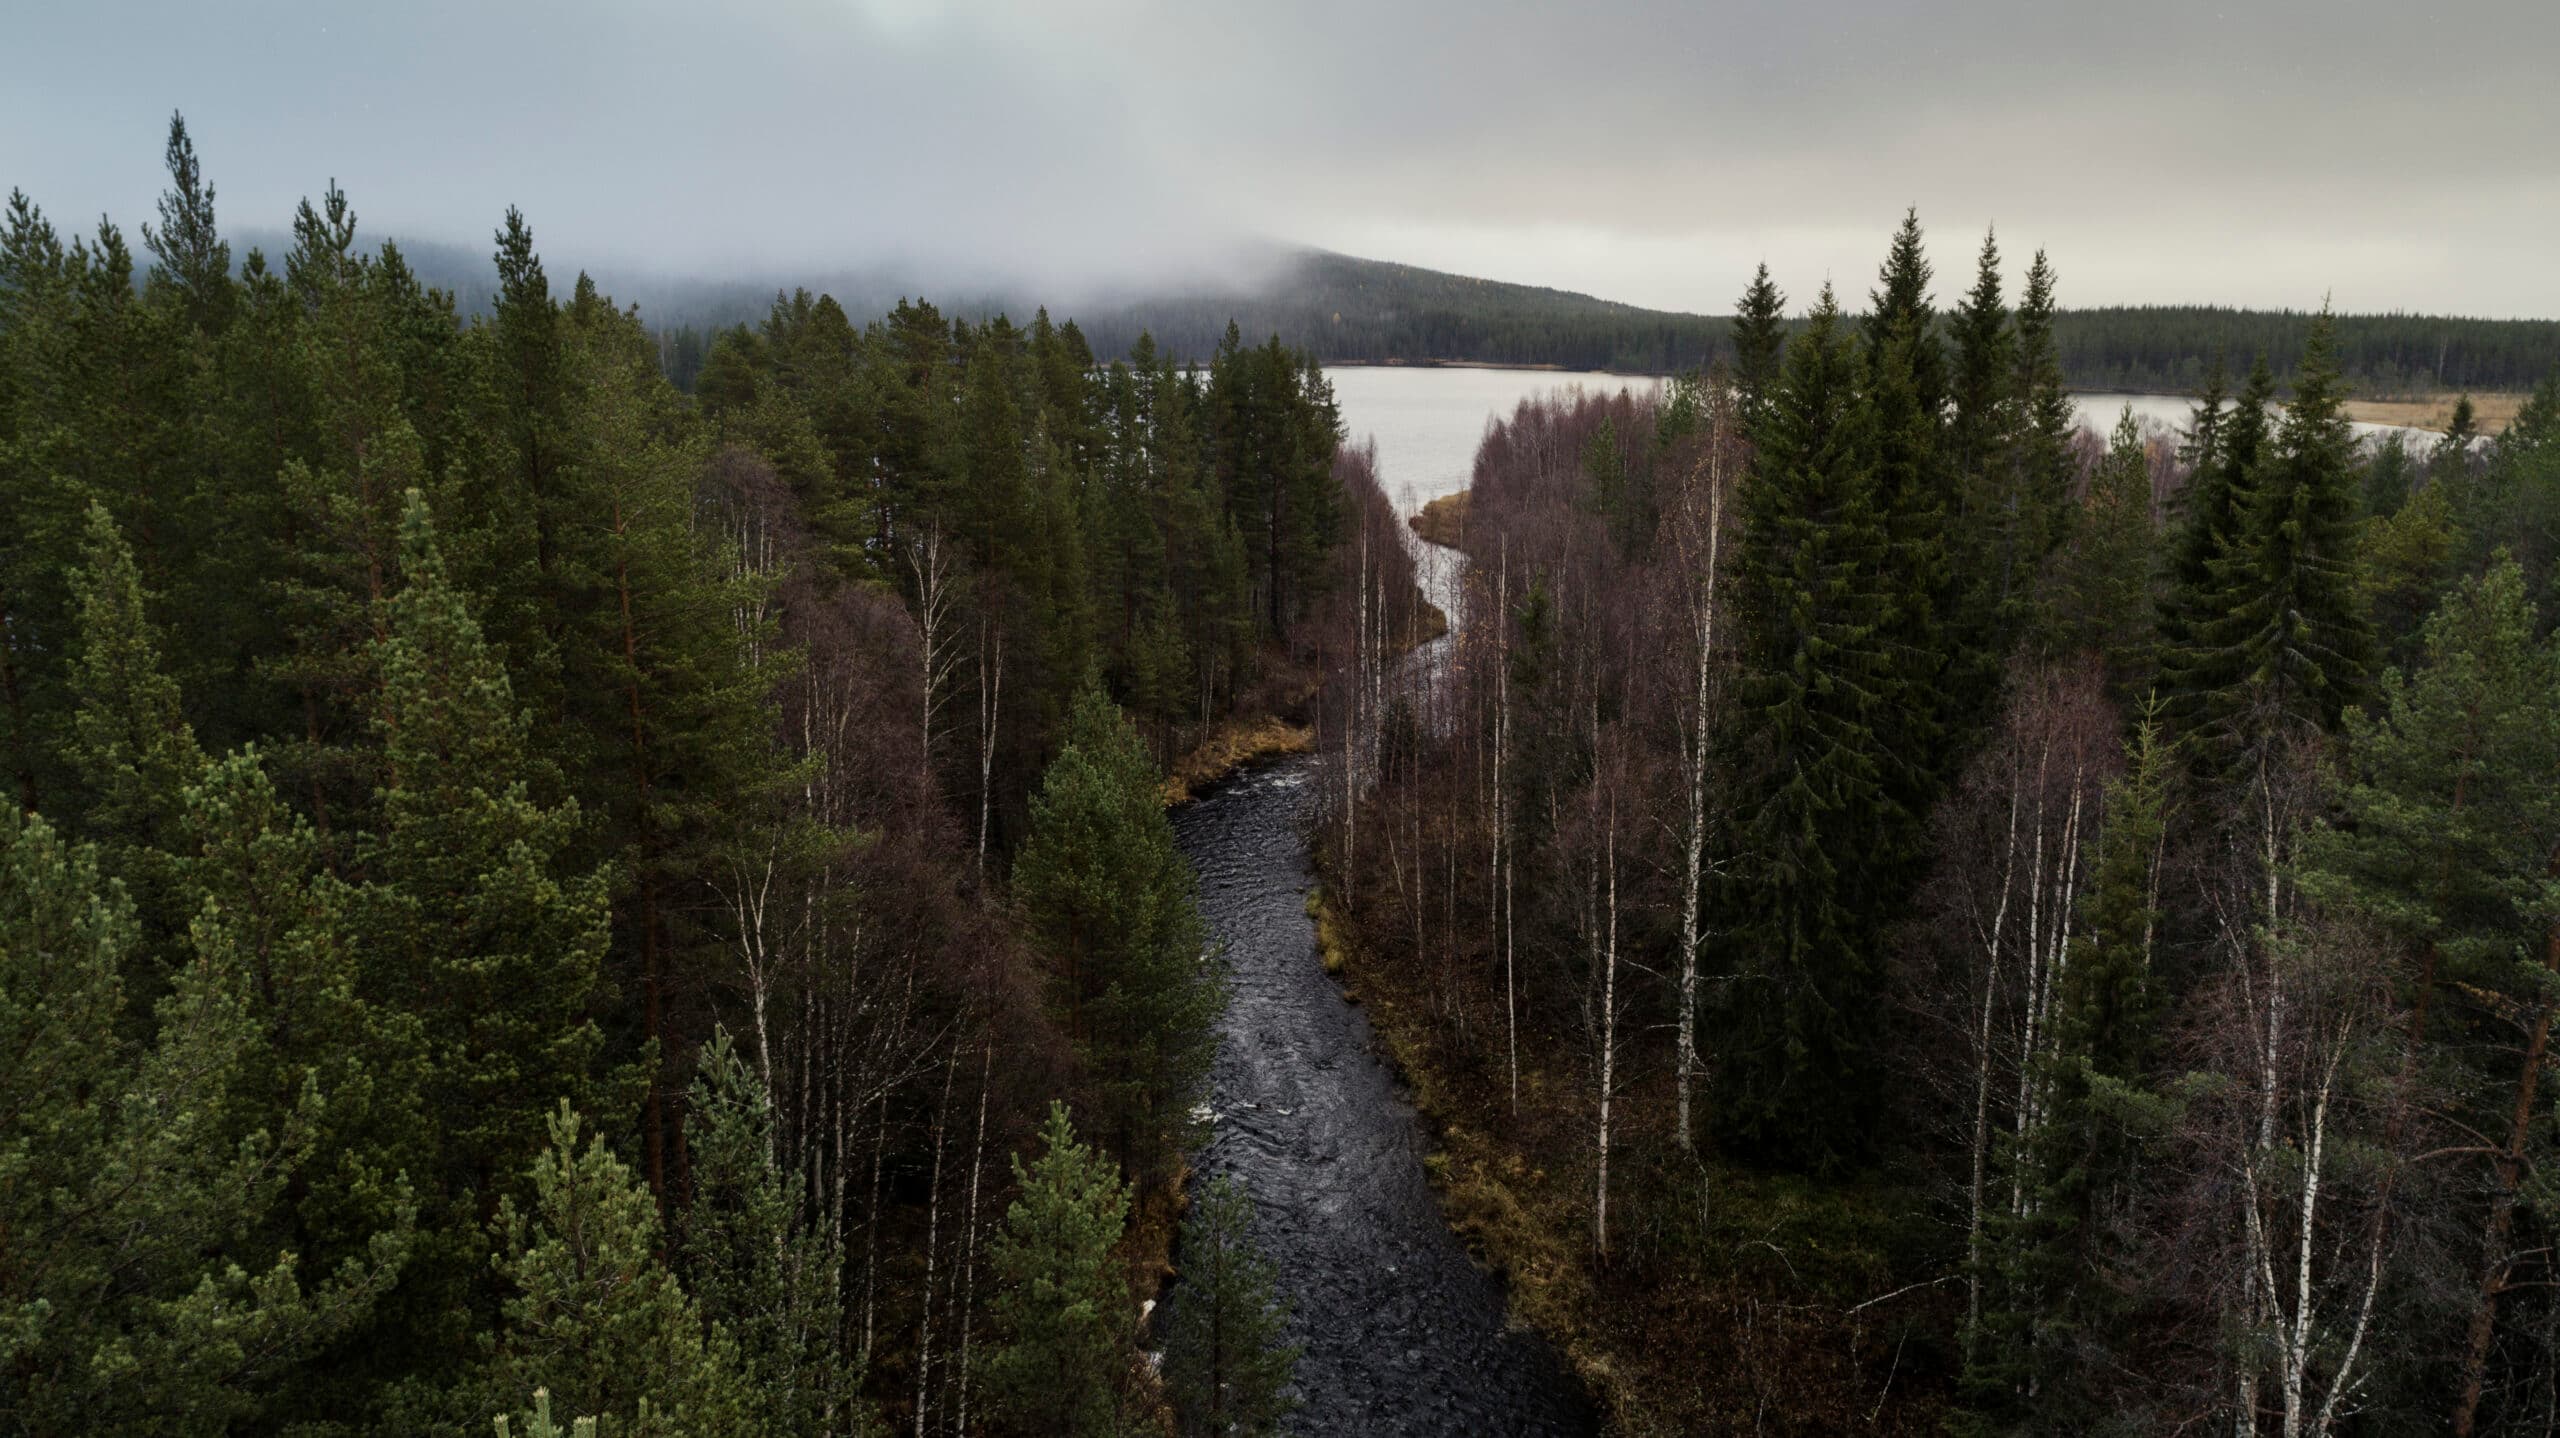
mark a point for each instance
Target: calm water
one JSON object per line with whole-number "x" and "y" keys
{"x": 1427, "y": 422}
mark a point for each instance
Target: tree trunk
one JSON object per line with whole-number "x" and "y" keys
{"x": 2496, "y": 1261}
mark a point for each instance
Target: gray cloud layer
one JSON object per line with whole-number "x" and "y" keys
{"x": 2250, "y": 153}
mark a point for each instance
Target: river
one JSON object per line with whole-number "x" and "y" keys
{"x": 1402, "y": 1332}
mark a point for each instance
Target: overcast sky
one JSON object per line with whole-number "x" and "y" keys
{"x": 2399, "y": 156}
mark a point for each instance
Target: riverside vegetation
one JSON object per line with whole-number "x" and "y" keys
{"x": 1910, "y": 917}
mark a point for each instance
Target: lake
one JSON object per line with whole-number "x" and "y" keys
{"x": 1427, "y": 422}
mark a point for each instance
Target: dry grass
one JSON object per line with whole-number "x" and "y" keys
{"x": 1329, "y": 939}
{"x": 1229, "y": 747}
{"x": 2491, "y": 412}
{"x": 1443, "y": 521}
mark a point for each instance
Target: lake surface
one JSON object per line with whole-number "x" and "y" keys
{"x": 1427, "y": 422}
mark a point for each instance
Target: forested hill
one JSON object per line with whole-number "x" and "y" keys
{"x": 1359, "y": 311}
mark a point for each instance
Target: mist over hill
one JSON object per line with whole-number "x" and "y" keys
{"x": 1350, "y": 310}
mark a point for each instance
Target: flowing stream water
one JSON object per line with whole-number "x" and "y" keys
{"x": 1403, "y": 1333}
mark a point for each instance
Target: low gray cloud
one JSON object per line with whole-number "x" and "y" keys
{"x": 2259, "y": 154}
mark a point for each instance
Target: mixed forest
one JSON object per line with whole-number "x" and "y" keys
{"x": 530, "y": 896}
{"x": 561, "y": 880}
{"x": 1911, "y": 916}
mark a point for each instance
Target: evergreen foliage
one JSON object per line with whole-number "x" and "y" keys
{"x": 142, "y": 1289}
{"x": 1063, "y": 1312}
{"x": 1759, "y": 348}
{"x": 1109, "y": 898}
{"x": 1821, "y": 829}
{"x": 753, "y": 1267}
{"x": 2104, "y": 603}
{"x": 1226, "y": 1366}
{"x": 593, "y": 1317}
{"x": 2293, "y": 633}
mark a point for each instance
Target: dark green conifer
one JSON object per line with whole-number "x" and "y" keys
{"x": 2103, "y": 581}
{"x": 2294, "y": 633}
{"x": 754, "y": 1268}
{"x": 1226, "y": 1365}
{"x": 1821, "y": 832}
{"x": 148, "y": 1288}
{"x": 1759, "y": 348}
{"x": 474, "y": 929}
{"x": 2215, "y": 509}
{"x": 1109, "y": 898}
{"x": 1062, "y": 1312}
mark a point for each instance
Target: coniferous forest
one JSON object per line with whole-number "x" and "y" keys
{"x": 519, "y": 881}
{"x": 542, "y": 897}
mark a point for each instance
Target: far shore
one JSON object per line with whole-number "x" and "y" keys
{"x": 2492, "y": 411}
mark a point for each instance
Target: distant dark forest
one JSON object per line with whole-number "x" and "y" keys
{"x": 1356, "y": 311}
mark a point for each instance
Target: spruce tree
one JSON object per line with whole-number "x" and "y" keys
{"x": 1980, "y": 381}
{"x": 2103, "y": 600}
{"x": 1062, "y": 1311}
{"x": 1822, "y": 836}
{"x": 1932, "y": 685}
{"x": 1901, "y": 309}
{"x": 1226, "y": 1367}
{"x": 2069, "y": 1256}
{"x": 2386, "y": 470}
{"x": 2294, "y": 633}
{"x": 1759, "y": 348}
{"x": 2450, "y": 461}
{"x": 2037, "y": 476}
{"x": 2215, "y": 511}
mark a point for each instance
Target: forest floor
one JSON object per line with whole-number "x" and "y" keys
{"x": 2491, "y": 413}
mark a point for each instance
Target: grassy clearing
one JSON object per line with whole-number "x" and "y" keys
{"x": 1229, "y": 747}
{"x": 2492, "y": 412}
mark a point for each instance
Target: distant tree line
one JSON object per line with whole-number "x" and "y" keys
{"x": 1347, "y": 310}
